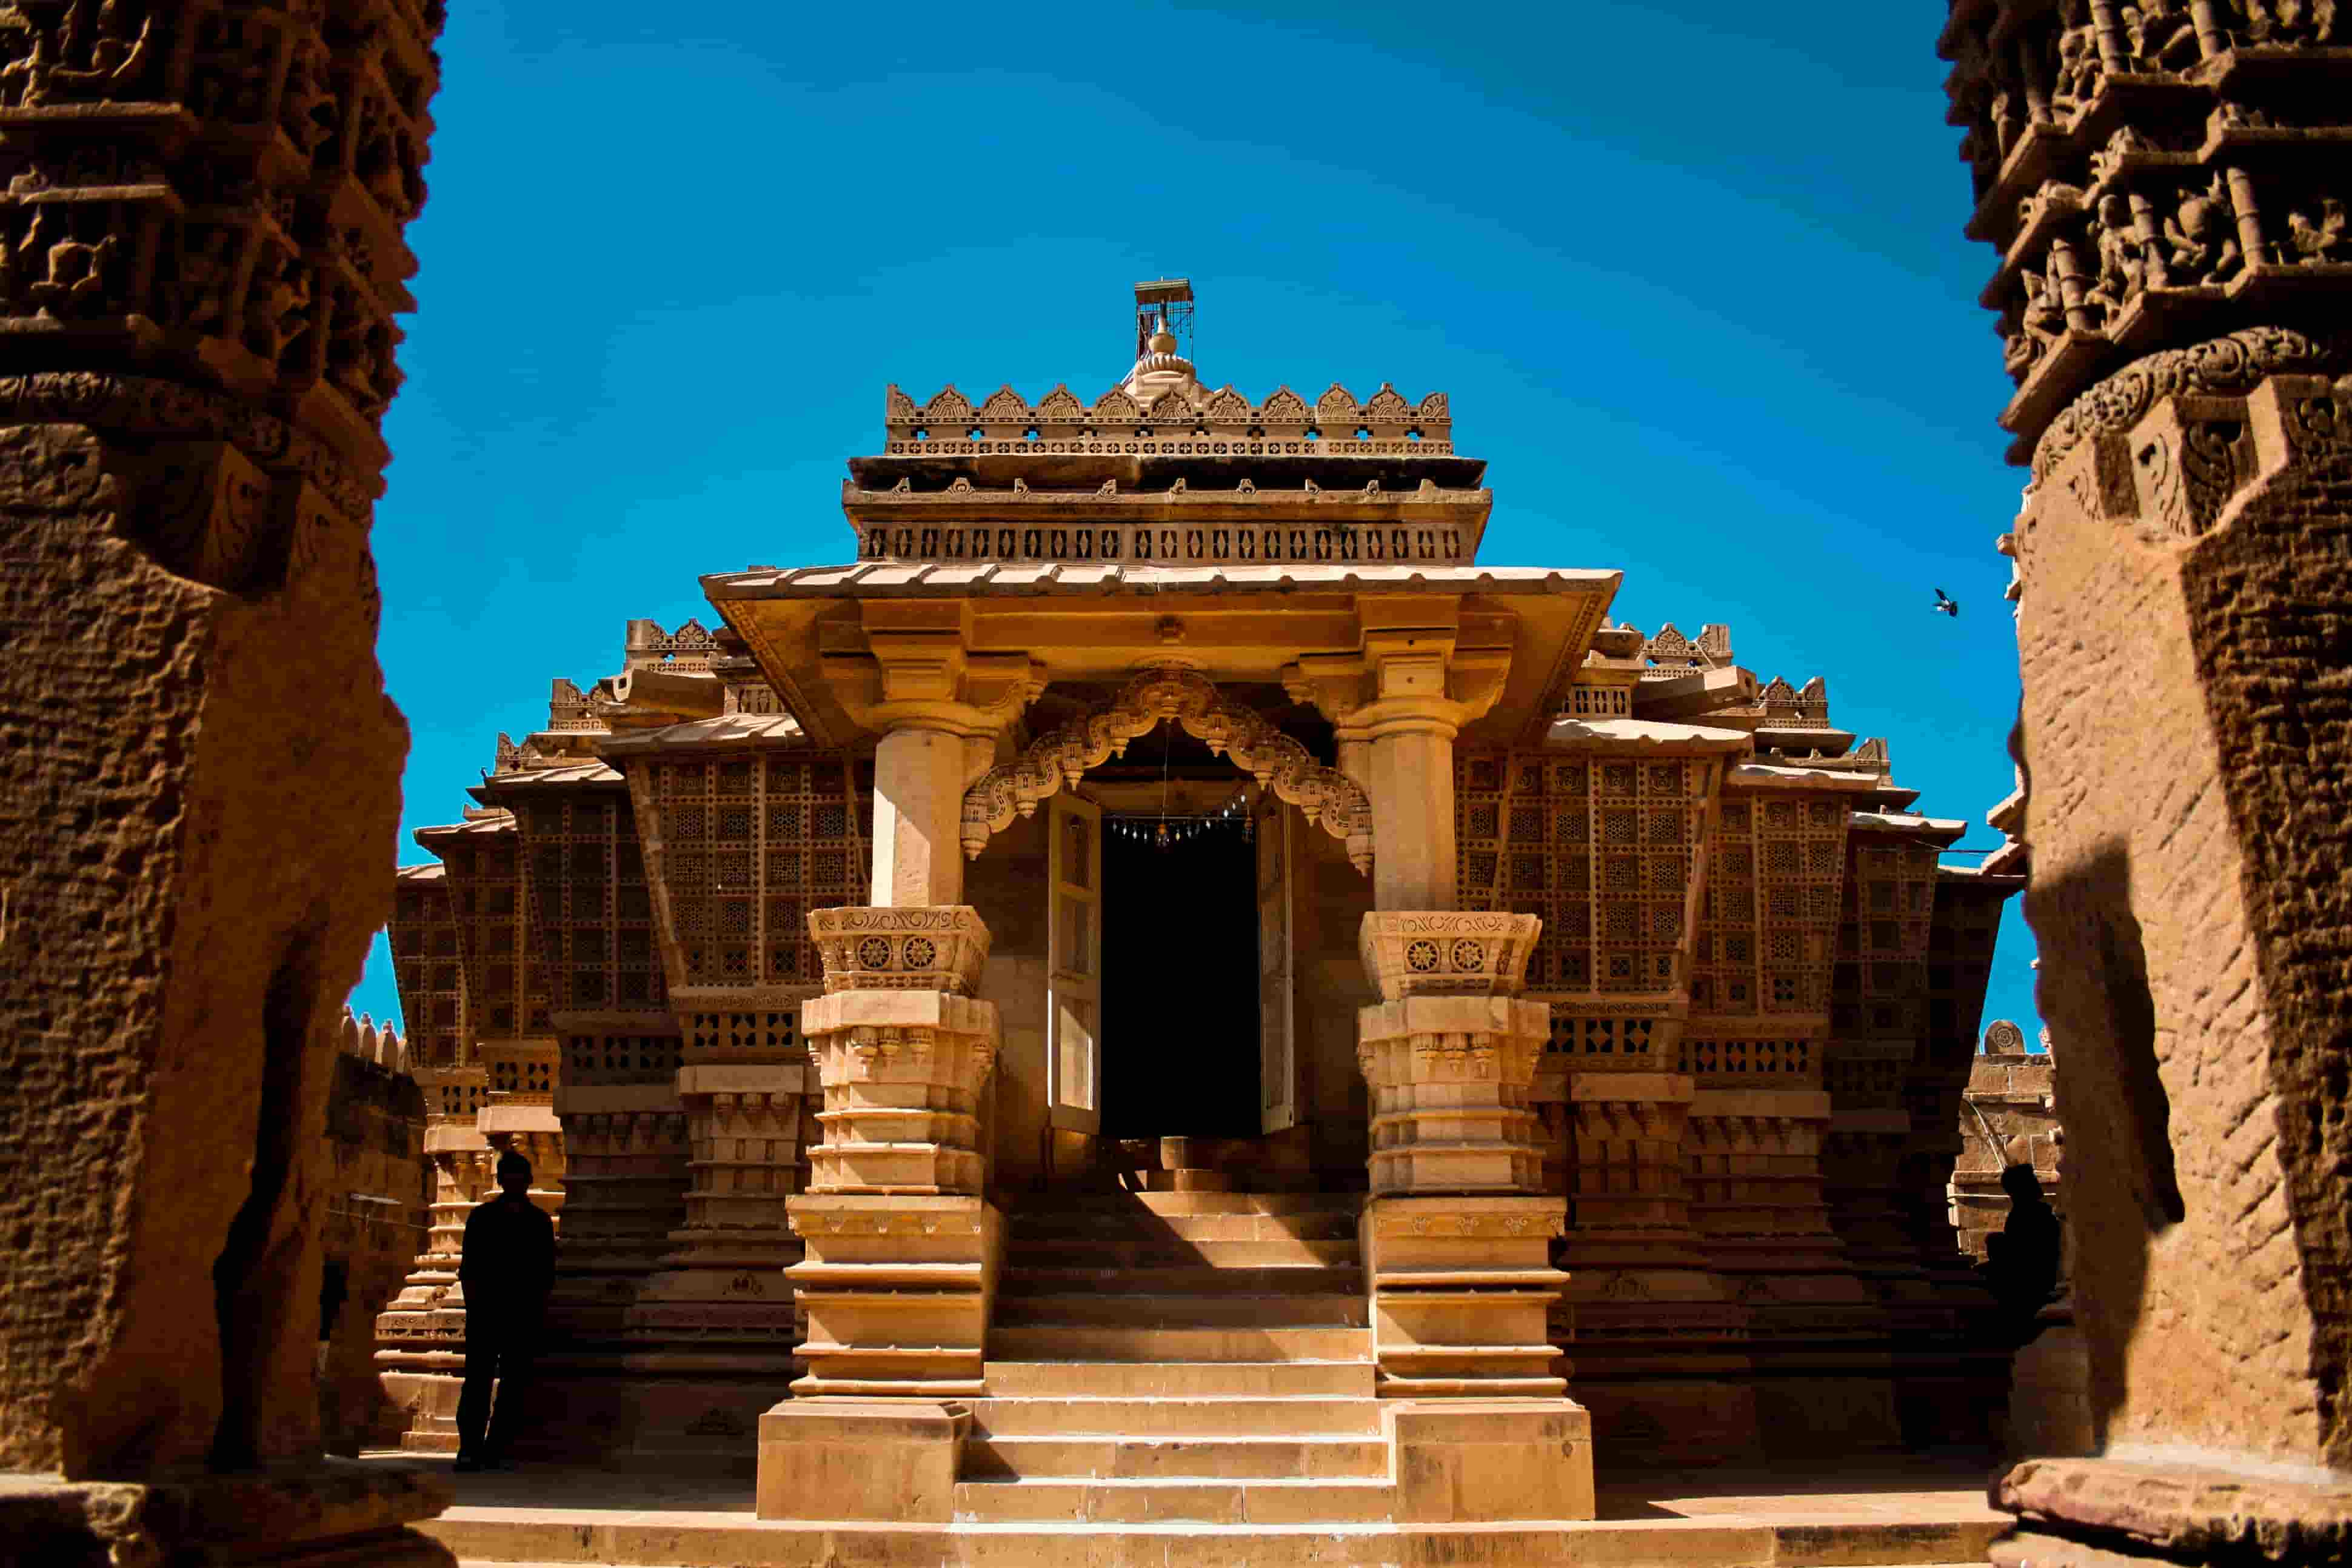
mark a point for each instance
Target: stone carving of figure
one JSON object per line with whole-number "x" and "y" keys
{"x": 2309, "y": 240}
{"x": 85, "y": 61}
{"x": 200, "y": 298}
{"x": 2290, "y": 21}
{"x": 2204, "y": 237}
{"x": 2080, "y": 69}
{"x": 2123, "y": 259}
{"x": 2161, "y": 33}
{"x": 2041, "y": 322}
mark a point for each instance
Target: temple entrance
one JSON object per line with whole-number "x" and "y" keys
{"x": 1180, "y": 973}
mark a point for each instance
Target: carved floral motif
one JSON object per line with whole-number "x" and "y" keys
{"x": 1061, "y": 758}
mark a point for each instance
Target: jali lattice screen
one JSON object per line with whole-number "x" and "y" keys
{"x": 1879, "y": 987}
{"x": 424, "y": 964}
{"x": 1602, "y": 848}
{"x": 592, "y": 908}
{"x": 506, "y": 996}
{"x": 749, "y": 845}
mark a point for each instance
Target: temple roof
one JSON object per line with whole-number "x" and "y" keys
{"x": 867, "y": 579}
{"x": 746, "y": 728}
{"x": 1645, "y": 734}
{"x": 572, "y": 773}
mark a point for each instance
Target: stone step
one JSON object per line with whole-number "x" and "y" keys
{"x": 1192, "y": 1203}
{"x": 1127, "y": 1344}
{"x": 1169, "y": 1252}
{"x": 1317, "y": 1224}
{"x": 1161, "y": 1459}
{"x": 1172, "y": 1502}
{"x": 1143, "y": 1309}
{"x": 1189, "y": 1280}
{"x": 1301, "y": 1416}
{"x": 1177, "y": 1379}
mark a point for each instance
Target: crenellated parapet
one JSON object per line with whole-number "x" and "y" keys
{"x": 1184, "y": 419}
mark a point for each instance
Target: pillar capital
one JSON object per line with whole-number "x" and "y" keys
{"x": 917, "y": 670}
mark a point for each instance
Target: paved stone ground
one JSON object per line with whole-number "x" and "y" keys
{"x": 1912, "y": 1511}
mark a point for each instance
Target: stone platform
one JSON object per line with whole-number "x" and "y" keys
{"x": 1875, "y": 1514}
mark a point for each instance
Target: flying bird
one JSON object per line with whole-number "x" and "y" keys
{"x": 1946, "y": 605}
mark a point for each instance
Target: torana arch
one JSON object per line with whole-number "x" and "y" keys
{"x": 1060, "y": 758}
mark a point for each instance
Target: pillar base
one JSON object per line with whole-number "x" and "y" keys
{"x": 847, "y": 1459}
{"x": 1462, "y": 1294}
{"x": 897, "y": 1292}
{"x": 1473, "y": 1461}
{"x": 2050, "y": 1395}
{"x": 2108, "y": 1513}
{"x": 347, "y": 1515}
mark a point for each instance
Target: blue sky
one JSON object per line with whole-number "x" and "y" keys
{"x": 1697, "y": 289}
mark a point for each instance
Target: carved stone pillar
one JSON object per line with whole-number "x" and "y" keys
{"x": 2187, "y": 745}
{"x": 199, "y": 770}
{"x": 1457, "y": 1237}
{"x": 1397, "y": 706}
{"x": 901, "y": 1248}
{"x": 1458, "y": 1233}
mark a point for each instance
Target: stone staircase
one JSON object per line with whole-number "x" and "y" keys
{"x": 1179, "y": 1356}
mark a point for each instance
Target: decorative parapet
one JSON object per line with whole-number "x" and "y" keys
{"x": 870, "y": 949}
{"x": 1061, "y": 757}
{"x": 1447, "y": 954}
{"x": 1210, "y": 423}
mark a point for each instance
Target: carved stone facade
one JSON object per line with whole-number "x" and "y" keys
{"x": 1610, "y": 1007}
{"x": 2172, "y": 276}
{"x": 201, "y": 258}
{"x": 2010, "y": 1117}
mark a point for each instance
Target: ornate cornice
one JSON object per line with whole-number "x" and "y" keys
{"x": 2227, "y": 366}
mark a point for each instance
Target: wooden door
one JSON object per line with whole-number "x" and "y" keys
{"x": 1074, "y": 963}
{"x": 1277, "y": 1045}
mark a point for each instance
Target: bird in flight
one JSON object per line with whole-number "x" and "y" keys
{"x": 1946, "y": 605}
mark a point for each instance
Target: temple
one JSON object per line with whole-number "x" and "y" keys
{"x": 1164, "y": 944}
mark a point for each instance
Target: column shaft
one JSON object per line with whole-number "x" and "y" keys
{"x": 919, "y": 783}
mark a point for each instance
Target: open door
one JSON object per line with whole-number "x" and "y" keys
{"x": 1074, "y": 963}
{"x": 1277, "y": 1048}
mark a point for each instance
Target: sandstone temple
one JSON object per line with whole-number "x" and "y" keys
{"x": 1161, "y": 1011}
{"x": 1165, "y": 988}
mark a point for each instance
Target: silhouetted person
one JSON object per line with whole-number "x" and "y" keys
{"x": 506, "y": 1271}
{"x": 2021, "y": 1263}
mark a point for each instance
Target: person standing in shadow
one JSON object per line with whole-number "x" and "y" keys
{"x": 506, "y": 1271}
{"x": 2021, "y": 1263}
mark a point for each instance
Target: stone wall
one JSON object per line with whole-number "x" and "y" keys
{"x": 378, "y": 1195}
{"x": 2011, "y": 1118}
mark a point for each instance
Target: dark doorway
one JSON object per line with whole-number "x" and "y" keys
{"x": 1179, "y": 1017}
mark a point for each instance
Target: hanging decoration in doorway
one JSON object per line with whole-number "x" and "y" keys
{"x": 1164, "y": 832}
{"x": 1167, "y": 830}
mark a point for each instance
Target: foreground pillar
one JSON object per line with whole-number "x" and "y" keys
{"x": 901, "y": 1248}
{"x": 199, "y": 770}
{"x": 2187, "y": 749}
{"x": 1458, "y": 1233}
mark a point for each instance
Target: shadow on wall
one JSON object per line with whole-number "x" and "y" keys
{"x": 2119, "y": 1186}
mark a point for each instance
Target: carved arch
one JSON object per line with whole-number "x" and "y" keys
{"x": 1062, "y": 757}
